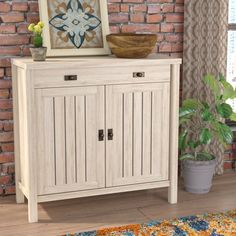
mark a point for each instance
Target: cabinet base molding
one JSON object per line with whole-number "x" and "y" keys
{"x": 95, "y": 192}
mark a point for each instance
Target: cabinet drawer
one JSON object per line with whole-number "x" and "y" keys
{"x": 63, "y": 77}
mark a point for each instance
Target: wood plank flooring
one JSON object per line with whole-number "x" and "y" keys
{"x": 83, "y": 214}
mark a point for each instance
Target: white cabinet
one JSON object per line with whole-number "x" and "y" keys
{"x": 94, "y": 126}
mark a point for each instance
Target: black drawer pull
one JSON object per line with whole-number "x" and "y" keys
{"x": 138, "y": 74}
{"x": 70, "y": 77}
{"x": 101, "y": 135}
{"x": 110, "y": 134}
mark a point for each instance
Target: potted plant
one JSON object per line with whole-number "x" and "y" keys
{"x": 38, "y": 52}
{"x": 200, "y": 122}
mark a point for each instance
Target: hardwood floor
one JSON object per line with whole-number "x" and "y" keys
{"x": 83, "y": 214}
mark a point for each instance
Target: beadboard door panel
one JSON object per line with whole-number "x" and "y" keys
{"x": 139, "y": 117}
{"x": 71, "y": 157}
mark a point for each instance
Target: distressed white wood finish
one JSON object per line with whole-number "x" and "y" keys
{"x": 174, "y": 130}
{"x": 16, "y": 77}
{"x": 139, "y": 151}
{"x": 56, "y": 122}
{"x": 72, "y": 158}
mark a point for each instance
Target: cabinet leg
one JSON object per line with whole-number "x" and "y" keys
{"x": 20, "y": 198}
{"x": 32, "y": 210}
{"x": 172, "y": 194}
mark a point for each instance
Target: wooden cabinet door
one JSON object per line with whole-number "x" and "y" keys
{"x": 70, "y": 156}
{"x": 139, "y": 117}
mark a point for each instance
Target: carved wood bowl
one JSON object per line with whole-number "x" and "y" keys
{"x": 131, "y": 45}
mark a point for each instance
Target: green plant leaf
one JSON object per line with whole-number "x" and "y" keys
{"x": 205, "y": 136}
{"x": 191, "y": 103}
{"x": 186, "y": 112}
{"x": 193, "y": 144}
{"x": 187, "y": 156}
{"x": 233, "y": 116}
{"x": 224, "y": 133}
{"x": 183, "y": 120}
{"x": 204, "y": 156}
{"x": 228, "y": 91}
{"x": 182, "y": 139}
{"x": 213, "y": 84}
{"x": 207, "y": 115}
{"x": 221, "y": 77}
{"x": 205, "y": 105}
{"x": 224, "y": 109}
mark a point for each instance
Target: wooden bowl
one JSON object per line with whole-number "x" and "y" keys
{"x": 131, "y": 45}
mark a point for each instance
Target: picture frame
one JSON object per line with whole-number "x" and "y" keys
{"x": 75, "y": 27}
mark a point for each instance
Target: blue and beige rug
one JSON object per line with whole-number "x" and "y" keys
{"x": 220, "y": 224}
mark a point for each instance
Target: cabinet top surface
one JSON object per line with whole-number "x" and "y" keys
{"x": 95, "y": 61}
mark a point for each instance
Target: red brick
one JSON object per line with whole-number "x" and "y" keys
{"x": 5, "y": 179}
{"x": 5, "y": 62}
{"x": 5, "y": 104}
{"x": 177, "y": 47}
{"x": 6, "y": 157}
{"x": 6, "y": 115}
{"x": 139, "y": 8}
{"x": 160, "y": 37}
{"x": 4, "y": 93}
{"x": 5, "y": 83}
{"x": 168, "y": 8}
{"x": 33, "y": 7}
{"x": 8, "y": 126}
{"x": 160, "y": 1}
{"x": 152, "y": 9}
{"x": 179, "y": 8}
{"x": 6, "y": 137}
{"x": 10, "y": 51}
{"x": 174, "y": 38}
{"x": 114, "y": 29}
{"x": 12, "y": 17}
{"x": 124, "y": 8}
{"x": 7, "y": 29}
{"x": 137, "y": 18}
{"x": 166, "y": 28}
{"x": 228, "y": 165}
{"x": 134, "y": 1}
{"x": 118, "y": 18}
{"x": 175, "y": 18}
{"x": 7, "y": 168}
{"x": 141, "y": 28}
{"x": 19, "y": 6}
{"x": 113, "y": 8}
{"x": 22, "y": 28}
{"x": 112, "y": 1}
{"x": 5, "y": 7}
{"x": 154, "y": 18}
{"x": 179, "y": 28}
{"x": 32, "y": 18}
{"x": 8, "y": 72}
{"x": 7, "y": 147}
{"x": 1, "y": 72}
{"x": 165, "y": 47}
{"x": 26, "y": 52}
{"x": 10, "y": 189}
{"x": 14, "y": 40}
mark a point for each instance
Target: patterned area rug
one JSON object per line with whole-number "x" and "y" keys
{"x": 220, "y": 224}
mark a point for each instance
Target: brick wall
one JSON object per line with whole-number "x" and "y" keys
{"x": 162, "y": 17}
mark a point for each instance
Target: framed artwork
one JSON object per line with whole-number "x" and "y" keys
{"x": 75, "y": 27}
